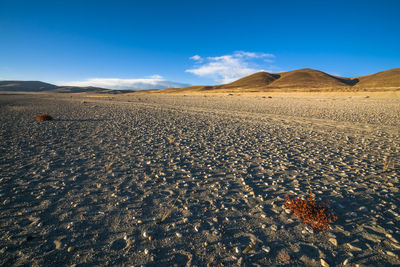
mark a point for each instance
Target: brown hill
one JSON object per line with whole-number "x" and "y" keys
{"x": 308, "y": 78}
{"x": 256, "y": 80}
{"x": 388, "y": 78}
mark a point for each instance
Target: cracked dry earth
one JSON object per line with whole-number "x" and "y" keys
{"x": 159, "y": 180}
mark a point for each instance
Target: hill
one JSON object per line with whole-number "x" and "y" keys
{"x": 26, "y": 86}
{"x": 256, "y": 80}
{"x": 37, "y": 86}
{"x": 388, "y": 78}
{"x": 302, "y": 80}
{"x": 308, "y": 78}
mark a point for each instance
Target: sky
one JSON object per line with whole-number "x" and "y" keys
{"x": 157, "y": 44}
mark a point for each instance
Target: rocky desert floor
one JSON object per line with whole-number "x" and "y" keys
{"x": 161, "y": 180}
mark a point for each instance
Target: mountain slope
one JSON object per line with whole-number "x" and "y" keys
{"x": 26, "y": 86}
{"x": 256, "y": 80}
{"x": 37, "y": 86}
{"x": 388, "y": 78}
{"x": 308, "y": 78}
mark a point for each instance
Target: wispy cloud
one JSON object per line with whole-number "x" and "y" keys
{"x": 197, "y": 58}
{"x": 151, "y": 82}
{"x": 228, "y": 68}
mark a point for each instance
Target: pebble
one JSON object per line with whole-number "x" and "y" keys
{"x": 353, "y": 248}
{"x": 215, "y": 232}
{"x": 324, "y": 263}
{"x": 238, "y": 250}
{"x": 309, "y": 229}
{"x": 333, "y": 241}
{"x": 266, "y": 249}
{"x": 58, "y": 244}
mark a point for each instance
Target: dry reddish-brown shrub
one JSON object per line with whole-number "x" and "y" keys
{"x": 284, "y": 256}
{"x": 319, "y": 216}
{"x": 44, "y": 117}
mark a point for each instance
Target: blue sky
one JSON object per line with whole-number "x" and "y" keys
{"x": 140, "y": 44}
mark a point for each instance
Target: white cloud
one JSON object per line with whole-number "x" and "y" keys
{"x": 228, "y": 68}
{"x": 197, "y": 58}
{"x": 151, "y": 82}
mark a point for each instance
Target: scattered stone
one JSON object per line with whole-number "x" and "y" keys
{"x": 58, "y": 244}
{"x": 324, "y": 263}
{"x": 266, "y": 249}
{"x": 353, "y": 248}
{"x": 238, "y": 250}
{"x": 333, "y": 241}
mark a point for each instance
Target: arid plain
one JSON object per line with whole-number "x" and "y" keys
{"x": 198, "y": 179}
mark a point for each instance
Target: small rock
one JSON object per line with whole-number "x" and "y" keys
{"x": 274, "y": 227}
{"x": 333, "y": 241}
{"x": 178, "y": 234}
{"x": 266, "y": 249}
{"x": 363, "y": 209}
{"x": 396, "y": 246}
{"x": 238, "y": 250}
{"x": 146, "y": 251}
{"x": 309, "y": 229}
{"x": 324, "y": 263}
{"x": 58, "y": 244}
{"x": 353, "y": 248}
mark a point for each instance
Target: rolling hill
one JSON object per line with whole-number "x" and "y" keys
{"x": 307, "y": 78}
{"x": 389, "y": 78}
{"x": 256, "y": 80}
{"x": 302, "y": 80}
{"x": 296, "y": 80}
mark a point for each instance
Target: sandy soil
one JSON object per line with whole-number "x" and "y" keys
{"x": 194, "y": 180}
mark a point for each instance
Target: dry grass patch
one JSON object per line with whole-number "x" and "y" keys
{"x": 319, "y": 216}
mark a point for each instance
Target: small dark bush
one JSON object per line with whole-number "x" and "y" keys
{"x": 44, "y": 117}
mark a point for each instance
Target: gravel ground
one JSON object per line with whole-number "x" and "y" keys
{"x": 194, "y": 180}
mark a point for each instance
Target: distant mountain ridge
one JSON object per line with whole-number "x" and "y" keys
{"x": 305, "y": 80}
{"x": 37, "y": 86}
{"x": 296, "y": 80}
